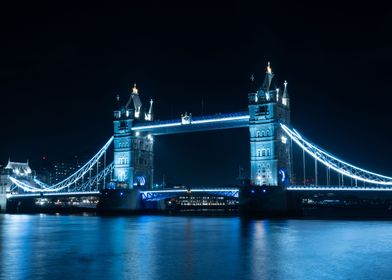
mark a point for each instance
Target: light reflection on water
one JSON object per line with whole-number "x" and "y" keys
{"x": 172, "y": 247}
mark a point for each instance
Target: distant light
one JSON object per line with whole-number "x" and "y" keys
{"x": 252, "y": 191}
{"x": 264, "y": 190}
{"x": 121, "y": 193}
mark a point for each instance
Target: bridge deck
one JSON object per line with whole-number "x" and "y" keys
{"x": 205, "y": 123}
{"x": 338, "y": 188}
{"x": 219, "y": 191}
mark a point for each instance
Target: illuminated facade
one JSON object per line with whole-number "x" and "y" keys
{"x": 269, "y": 149}
{"x": 133, "y": 150}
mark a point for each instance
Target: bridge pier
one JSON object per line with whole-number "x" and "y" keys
{"x": 269, "y": 201}
{"x": 125, "y": 201}
{"x": 3, "y": 203}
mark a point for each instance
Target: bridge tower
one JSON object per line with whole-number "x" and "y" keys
{"x": 270, "y": 150}
{"x": 133, "y": 151}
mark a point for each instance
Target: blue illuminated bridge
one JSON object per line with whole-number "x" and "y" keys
{"x": 273, "y": 162}
{"x": 352, "y": 178}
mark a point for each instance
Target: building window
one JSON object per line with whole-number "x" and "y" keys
{"x": 268, "y": 132}
{"x": 258, "y": 133}
{"x": 268, "y": 152}
{"x": 263, "y": 152}
{"x": 258, "y": 152}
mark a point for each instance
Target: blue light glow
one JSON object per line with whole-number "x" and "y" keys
{"x": 336, "y": 164}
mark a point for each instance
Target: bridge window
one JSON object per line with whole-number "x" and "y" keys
{"x": 123, "y": 125}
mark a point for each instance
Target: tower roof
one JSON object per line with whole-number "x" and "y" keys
{"x": 19, "y": 168}
{"x": 135, "y": 99}
{"x": 269, "y": 75}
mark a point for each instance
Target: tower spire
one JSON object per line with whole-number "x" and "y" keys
{"x": 149, "y": 116}
{"x": 134, "y": 89}
{"x": 285, "y": 97}
{"x": 268, "y": 78}
{"x": 269, "y": 69}
{"x": 252, "y": 85}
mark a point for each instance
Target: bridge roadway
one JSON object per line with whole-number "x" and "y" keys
{"x": 230, "y": 192}
{"x": 146, "y": 195}
{"x": 194, "y": 124}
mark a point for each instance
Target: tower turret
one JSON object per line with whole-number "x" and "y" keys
{"x": 149, "y": 116}
{"x": 270, "y": 161}
{"x": 123, "y": 119}
{"x": 285, "y": 97}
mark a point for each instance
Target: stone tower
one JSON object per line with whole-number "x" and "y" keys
{"x": 133, "y": 151}
{"x": 270, "y": 150}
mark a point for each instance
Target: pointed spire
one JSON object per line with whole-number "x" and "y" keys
{"x": 285, "y": 97}
{"x": 285, "y": 93}
{"x": 134, "y": 89}
{"x": 252, "y": 87}
{"x": 150, "y": 110}
{"x": 268, "y": 78}
{"x": 118, "y": 101}
{"x": 149, "y": 116}
{"x": 269, "y": 69}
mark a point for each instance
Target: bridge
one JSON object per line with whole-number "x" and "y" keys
{"x": 272, "y": 143}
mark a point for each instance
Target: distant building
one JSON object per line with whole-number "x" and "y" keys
{"x": 63, "y": 169}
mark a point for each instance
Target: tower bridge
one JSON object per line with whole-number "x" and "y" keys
{"x": 272, "y": 141}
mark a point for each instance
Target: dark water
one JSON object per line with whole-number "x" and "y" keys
{"x": 167, "y": 247}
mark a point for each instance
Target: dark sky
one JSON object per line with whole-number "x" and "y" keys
{"x": 61, "y": 67}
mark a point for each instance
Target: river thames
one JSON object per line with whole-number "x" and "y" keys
{"x": 180, "y": 247}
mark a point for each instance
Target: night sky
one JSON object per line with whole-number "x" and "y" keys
{"x": 62, "y": 66}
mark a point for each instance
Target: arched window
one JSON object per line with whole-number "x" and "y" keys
{"x": 268, "y": 132}
{"x": 268, "y": 152}
{"x": 258, "y": 133}
{"x": 262, "y": 133}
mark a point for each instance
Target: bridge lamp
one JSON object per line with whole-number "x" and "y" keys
{"x": 137, "y": 133}
{"x": 149, "y": 137}
{"x": 283, "y": 139}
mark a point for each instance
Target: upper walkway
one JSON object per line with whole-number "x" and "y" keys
{"x": 193, "y": 124}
